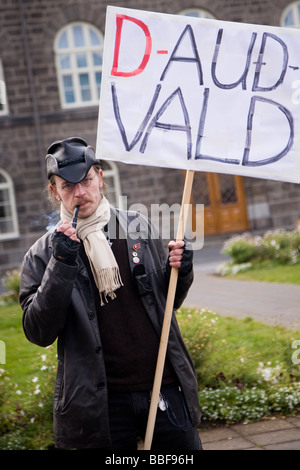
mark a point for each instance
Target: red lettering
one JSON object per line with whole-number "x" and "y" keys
{"x": 119, "y": 20}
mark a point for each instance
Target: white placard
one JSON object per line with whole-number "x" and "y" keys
{"x": 198, "y": 94}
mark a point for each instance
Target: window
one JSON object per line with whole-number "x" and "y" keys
{"x": 291, "y": 16}
{"x": 111, "y": 178}
{"x": 197, "y": 13}
{"x": 3, "y": 98}
{"x": 8, "y": 215}
{"x": 79, "y": 52}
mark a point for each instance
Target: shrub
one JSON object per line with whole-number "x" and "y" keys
{"x": 241, "y": 249}
{"x": 198, "y": 328}
{"x": 277, "y": 246}
{"x": 231, "y": 404}
{"x": 11, "y": 281}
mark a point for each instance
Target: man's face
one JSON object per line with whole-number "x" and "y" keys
{"x": 86, "y": 194}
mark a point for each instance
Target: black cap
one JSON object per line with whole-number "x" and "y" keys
{"x": 70, "y": 159}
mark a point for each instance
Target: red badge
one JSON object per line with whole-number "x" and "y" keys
{"x": 136, "y": 246}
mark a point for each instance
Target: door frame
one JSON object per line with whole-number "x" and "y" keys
{"x": 222, "y": 217}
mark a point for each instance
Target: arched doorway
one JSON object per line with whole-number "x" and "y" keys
{"x": 224, "y": 202}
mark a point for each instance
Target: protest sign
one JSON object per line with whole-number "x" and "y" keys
{"x": 200, "y": 94}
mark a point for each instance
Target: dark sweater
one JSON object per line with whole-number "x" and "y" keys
{"x": 130, "y": 343}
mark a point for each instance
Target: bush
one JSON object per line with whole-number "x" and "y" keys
{"x": 279, "y": 246}
{"x": 11, "y": 281}
{"x": 241, "y": 249}
{"x": 232, "y": 405}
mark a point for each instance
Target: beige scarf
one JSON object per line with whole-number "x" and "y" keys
{"x": 103, "y": 263}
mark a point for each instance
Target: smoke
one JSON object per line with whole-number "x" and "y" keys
{"x": 45, "y": 221}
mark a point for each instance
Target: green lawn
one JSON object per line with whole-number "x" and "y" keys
{"x": 229, "y": 350}
{"x": 244, "y": 370}
{"x": 273, "y": 273}
{"x": 26, "y": 387}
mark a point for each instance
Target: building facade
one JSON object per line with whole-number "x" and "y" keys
{"x": 50, "y": 77}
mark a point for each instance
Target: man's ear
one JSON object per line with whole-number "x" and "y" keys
{"x": 100, "y": 176}
{"x": 53, "y": 189}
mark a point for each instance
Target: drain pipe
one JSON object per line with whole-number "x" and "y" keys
{"x": 36, "y": 116}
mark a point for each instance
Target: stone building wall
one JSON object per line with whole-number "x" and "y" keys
{"x": 36, "y": 118}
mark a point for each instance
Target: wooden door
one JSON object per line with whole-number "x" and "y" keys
{"x": 224, "y": 202}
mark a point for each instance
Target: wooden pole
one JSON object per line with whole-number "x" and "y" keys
{"x": 186, "y": 196}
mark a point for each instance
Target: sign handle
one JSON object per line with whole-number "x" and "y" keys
{"x": 186, "y": 196}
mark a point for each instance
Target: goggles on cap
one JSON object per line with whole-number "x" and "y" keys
{"x": 70, "y": 159}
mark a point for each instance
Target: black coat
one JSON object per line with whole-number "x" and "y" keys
{"x": 57, "y": 302}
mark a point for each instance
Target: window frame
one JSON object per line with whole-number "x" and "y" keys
{"x": 4, "y": 111}
{"x": 112, "y": 173}
{"x": 7, "y": 185}
{"x": 294, "y": 9}
{"x": 76, "y": 71}
{"x": 202, "y": 13}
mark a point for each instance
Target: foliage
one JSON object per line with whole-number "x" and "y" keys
{"x": 272, "y": 250}
{"x": 11, "y": 281}
{"x": 26, "y": 412}
{"x": 287, "y": 273}
{"x": 244, "y": 371}
{"x": 232, "y": 404}
{"x": 26, "y": 387}
{"x": 278, "y": 246}
{"x": 244, "y": 368}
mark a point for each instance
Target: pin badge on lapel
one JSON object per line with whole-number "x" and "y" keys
{"x": 135, "y": 258}
{"x": 136, "y": 246}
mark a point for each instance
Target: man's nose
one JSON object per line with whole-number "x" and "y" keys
{"x": 79, "y": 190}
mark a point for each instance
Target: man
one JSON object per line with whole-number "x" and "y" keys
{"x": 100, "y": 288}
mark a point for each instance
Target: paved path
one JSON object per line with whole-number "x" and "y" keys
{"x": 270, "y": 303}
{"x": 269, "y": 434}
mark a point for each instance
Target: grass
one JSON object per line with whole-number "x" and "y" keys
{"x": 244, "y": 371}
{"x": 19, "y": 352}
{"x": 271, "y": 273}
{"x": 228, "y": 351}
{"x": 26, "y": 386}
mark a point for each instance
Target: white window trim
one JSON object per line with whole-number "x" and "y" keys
{"x": 8, "y": 185}
{"x": 113, "y": 172}
{"x": 292, "y": 7}
{"x": 74, "y": 70}
{"x": 4, "y": 111}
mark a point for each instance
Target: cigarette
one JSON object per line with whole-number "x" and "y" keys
{"x": 75, "y": 215}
